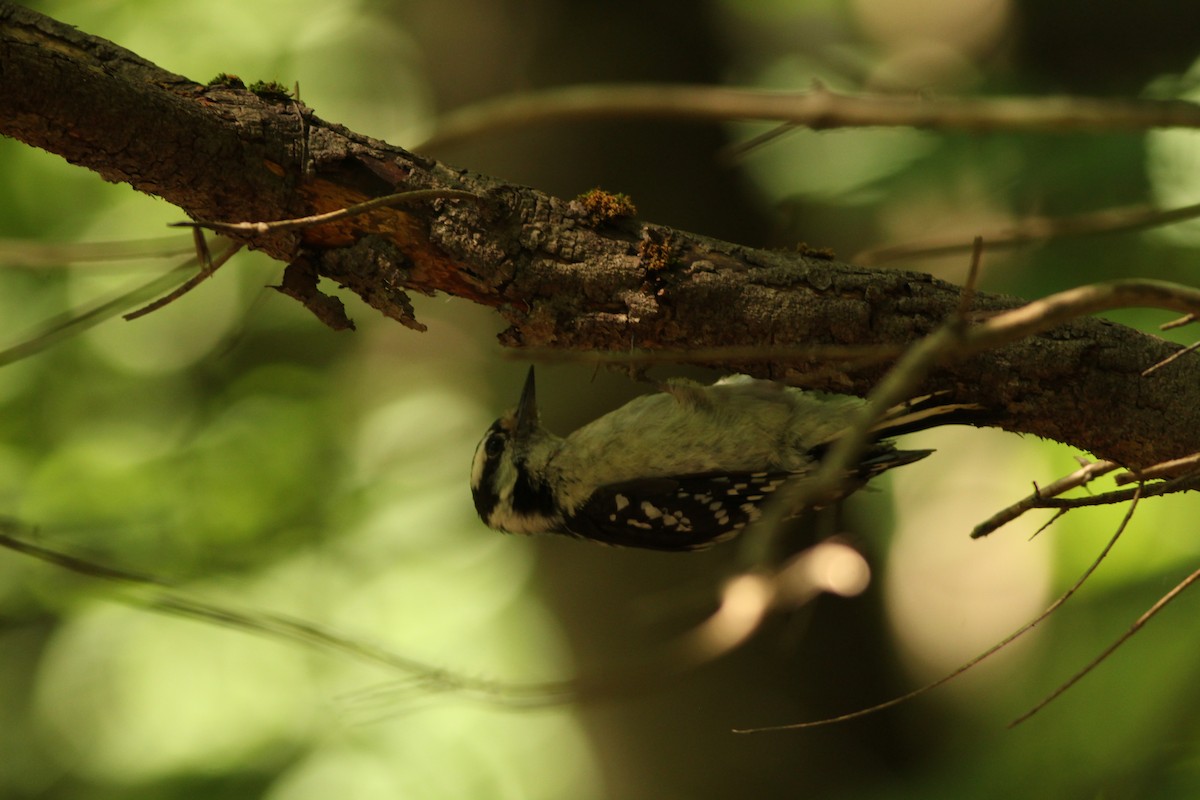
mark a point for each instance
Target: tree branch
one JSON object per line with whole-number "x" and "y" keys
{"x": 558, "y": 275}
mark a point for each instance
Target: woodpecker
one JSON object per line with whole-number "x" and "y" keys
{"x": 683, "y": 468}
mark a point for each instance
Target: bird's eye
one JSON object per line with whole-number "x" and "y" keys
{"x": 494, "y": 446}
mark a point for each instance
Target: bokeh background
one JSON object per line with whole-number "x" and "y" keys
{"x": 233, "y": 446}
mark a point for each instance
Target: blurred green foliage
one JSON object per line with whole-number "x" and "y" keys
{"x": 233, "y": 446}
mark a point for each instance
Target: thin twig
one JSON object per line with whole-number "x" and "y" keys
{"x": 1137, "y": 625}
{"x": 1186, "y": 319}
{"x": 967, "y": 298}
{"x": 1005, "y": 642}
{"x": 734, "y": 152}
{"x": 1080, "y": 477}
{"x": 399, "y": 198}
{"x": 1163, "y": 469}
{"x": 1191, "y": 348}
{"x": 71, "y": 563}
{"x": 74, "y": 322}
{"x": 817, "y": 109}
{"x": 207, "y": 267}
{"x": 261, "y": 228}
{"x": 1029, "y": 230}
{"x": 1056, "y": 309}
{"x": 163, "y": 597}
{"x": 1045, "y": 526}
{"x": 26, "y": 253}
{"x": 745, "y": 601}
{"x": 1182, "y": 484}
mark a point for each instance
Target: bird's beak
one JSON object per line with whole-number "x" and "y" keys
{"x": 527, "y": 416}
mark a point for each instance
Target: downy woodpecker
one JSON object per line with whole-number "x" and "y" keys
{"x": 681, "y": 469}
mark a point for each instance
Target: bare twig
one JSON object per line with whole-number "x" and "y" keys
{"x": 1045, "y": 526}
{"x": 69, "y": 562}
{"x": 735, "y": 152}
{"x": 1176, "y": 467}
{"x": 163, "y": 596}
{"x": 1191, "y": 348}
{"x": 1080, "y": 477}
{"x": 72, "y": 323}
{"x": 1007, "y": 640}
{"x": 25, "y": 253}
{"x": 1186, "y": 319}
{"x": 1137, "y": 625}
{"x": 818, "y": 109}
{"x": 829, "y": 567}
{"x": 262, "y": 228}
{"x": 967, "y": 299}
{"x": 1041, "y": 315}
{"x": 1034, "y": 229}
{"x": 207, "y": 267}
{"x": 1181, "y": 484}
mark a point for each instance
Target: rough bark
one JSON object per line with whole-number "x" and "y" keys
{"x": 560, "y": 277}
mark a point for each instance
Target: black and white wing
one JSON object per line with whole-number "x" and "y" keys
{"x": 692, "y": 512}
{"x": 689, "y": 512}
